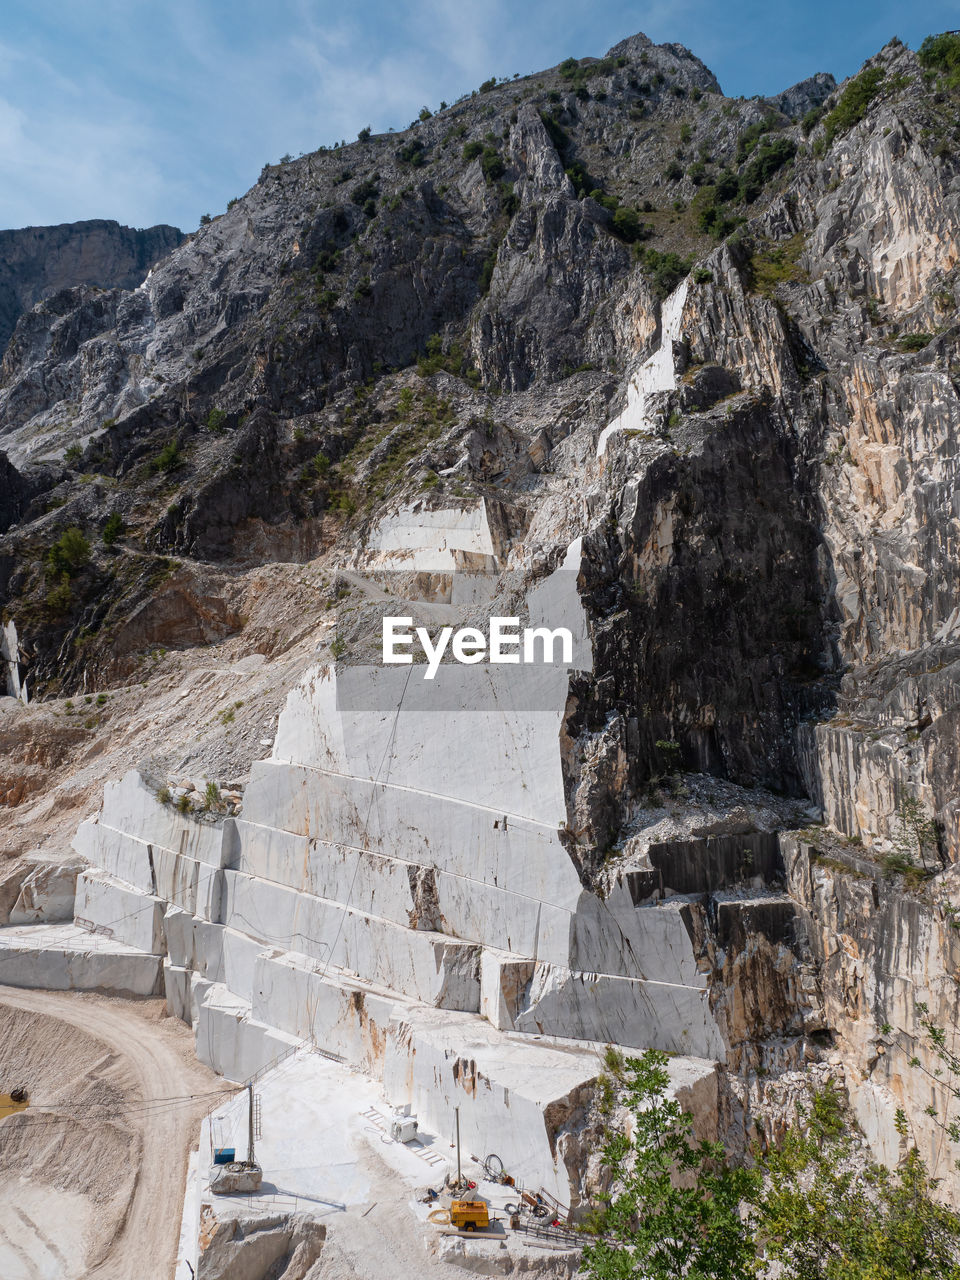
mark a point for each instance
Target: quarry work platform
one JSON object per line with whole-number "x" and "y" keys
{"x": 397, "y": 888}
{"x": 67, "y": 957}
{"x": 326, "y": 1151}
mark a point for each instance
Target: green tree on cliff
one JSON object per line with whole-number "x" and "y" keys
{"x": 948, "y": 1073}
{"x": 823, "y": 1216}
{"x": 809, "y": 1208}
{"x": 653, "y": 1228}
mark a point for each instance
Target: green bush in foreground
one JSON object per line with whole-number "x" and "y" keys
{"x": 821, "y": 1218}
{"x": 807, "y": 1209}
{"x": 654, "y": 1229}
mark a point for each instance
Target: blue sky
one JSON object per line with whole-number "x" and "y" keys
{"x": 160, "y": 110}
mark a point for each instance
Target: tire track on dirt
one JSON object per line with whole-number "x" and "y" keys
{"x": 155, "y": 1057}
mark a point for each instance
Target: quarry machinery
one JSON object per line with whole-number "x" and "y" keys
{"x": 243, "y": 1175}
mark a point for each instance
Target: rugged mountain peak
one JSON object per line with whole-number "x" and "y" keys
{"x": 36, "y": 262}
{"x": 632, "y": 46}
{"x": 804, "y": 96}
{"x": 659, "y": 57}
{"x": 698, "y": 353}
{"x": 519, "y": 241}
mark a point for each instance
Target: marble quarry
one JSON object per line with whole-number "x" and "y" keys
{"x": 14, "y": 686}
{"x": 397, "y": 890}
{"x": 656, "y": 373}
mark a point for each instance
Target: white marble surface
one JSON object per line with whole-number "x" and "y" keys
{"x": 493, "y": 754}
{"x": 657, "y": 373}
{"x": 398, "y": 872}
{"x": 120, "y": 911}
{"x": 131, "y": 807}
{"x": 439, "y": 541}
{"x": 624, "y": 1011}
{"x": 62, "y": 957}
{"x": 503, "y": 1087}
{"x": 467, "y": 839}
{"x": 47, "y": 892}
{"x": 423, "y": 965}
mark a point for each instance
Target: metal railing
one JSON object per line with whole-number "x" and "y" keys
{"x": 302, "y": 1046}
{"x": 543, "y": 1231}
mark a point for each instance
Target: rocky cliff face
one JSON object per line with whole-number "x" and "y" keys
{"x": 707, "y": 344}
{"x": 37, "y": 262}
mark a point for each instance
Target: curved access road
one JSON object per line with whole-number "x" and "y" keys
{"x": 154, "y": 1057}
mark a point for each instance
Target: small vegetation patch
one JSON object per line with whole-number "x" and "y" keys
{"x": 68, "y": 555}
{"x": 486, "y": 272}
{"x": 914, "y": 341}
{"x": 710, "y": 213}
{"x": 853, "y": 104}
{"x": 168, "y": 459}
{"x": 940, "y": 55}
{"x": 777, "y": 264}
{"x": 558, "y": 135}
{"x": 393, "y": 445}
{"x": 769, "y": 157}
{"x": 212, "y": 800}
{"x": 113, "y": 529}
{"x": 627, "y": 225}
{"x": 316, "y": 468}
{"x": 228, "y": 714}
{"x": 750, "y": 138}
{"x": 916, "y": 845}
{"x": 811, "y": 119}
{"x": 365, "y": 195}
{"x": 663, "y": 270}
{"x": 435, "y": 360}
{"x": 413, "y": 153}
{"x": 492, "y": 165}
{"x": 577, "y": 75}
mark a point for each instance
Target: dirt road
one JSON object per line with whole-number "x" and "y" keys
{"x": 158, "y": 1094}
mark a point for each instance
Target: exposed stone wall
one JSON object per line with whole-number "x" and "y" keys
{"x": 36, "y": 262}
{"x": 764, "y": 551}
{"x": 879, "y": 952}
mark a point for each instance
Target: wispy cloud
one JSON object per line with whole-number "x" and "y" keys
{"x": 66, "y": 152}
{"x": 160, "y": 110}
